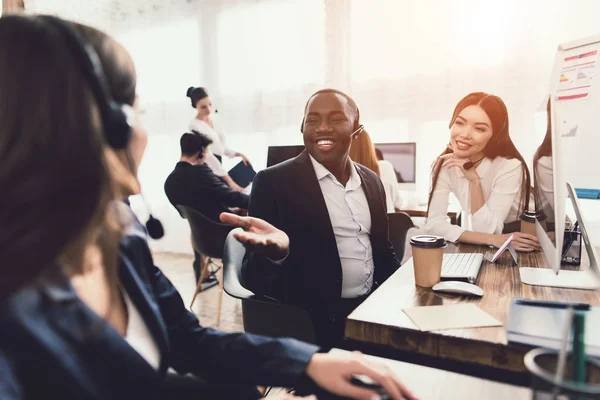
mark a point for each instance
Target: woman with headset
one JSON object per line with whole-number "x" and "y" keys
{"x": 84, "y": 312}
{"x": 204, "y": 123}
{"x": 484, "y": 170}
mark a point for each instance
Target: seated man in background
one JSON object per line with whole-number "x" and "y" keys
{"x": 324, "y": 245}
{"x": 192, "y": 183}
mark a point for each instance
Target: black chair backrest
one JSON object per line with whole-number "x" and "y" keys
{"x": 262, "y": 315}
{"x": 399, "y": 223}
{"x": 208, "y": 236}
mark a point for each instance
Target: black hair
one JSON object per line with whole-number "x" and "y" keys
{"x": 196, "y": 94}
{"x": 351, "y": 103}
{"x": 192, "y": 143}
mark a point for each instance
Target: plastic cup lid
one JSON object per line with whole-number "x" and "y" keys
{"x": 428, "y": 241}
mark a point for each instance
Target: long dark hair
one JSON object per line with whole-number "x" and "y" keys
{"x": 544, "y": 150}
{"x": 57, "y": 175}
{"x": 500, "y": 144}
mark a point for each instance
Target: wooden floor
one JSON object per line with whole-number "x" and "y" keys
{"x": 178, "y": 268}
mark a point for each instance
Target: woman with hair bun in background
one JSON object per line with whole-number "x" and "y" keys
{"x": 205, "y": 123}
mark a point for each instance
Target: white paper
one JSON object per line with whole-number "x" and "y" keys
{"x": 576, "y": 76}
{"x": 452, "y": 316}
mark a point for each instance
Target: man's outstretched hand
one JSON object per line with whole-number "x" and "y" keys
{"x": 262, "y": 236}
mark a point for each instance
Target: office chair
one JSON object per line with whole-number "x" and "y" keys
{"x": 208, "y": 239}
{"x": 398, "y": 224}
{"x": 262, "y": 315}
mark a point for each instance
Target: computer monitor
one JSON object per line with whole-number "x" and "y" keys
{"x": 402, "y": 156}
{"x": 278, "y": 154}
{"x": 550, "y": 189}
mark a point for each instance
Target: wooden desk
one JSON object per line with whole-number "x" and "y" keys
{"x": 431, "y": 383}
{"x": 378, "y": 326}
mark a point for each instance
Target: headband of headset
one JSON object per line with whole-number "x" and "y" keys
{"x": 116, "y": 118}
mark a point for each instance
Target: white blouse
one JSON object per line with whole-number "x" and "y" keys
{"x": 215, "y": 134}
{"x": 138, "y": 336}
{"x": 501, "y": 186}
{"x": 545, "y": 187}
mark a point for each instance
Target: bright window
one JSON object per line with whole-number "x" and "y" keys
{"x": 167, "y": 59}
{"x": 271, "y": 46}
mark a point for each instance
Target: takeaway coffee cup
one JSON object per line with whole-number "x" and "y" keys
{"x": 428, "y": 253}
{"x": 528, "y": 221}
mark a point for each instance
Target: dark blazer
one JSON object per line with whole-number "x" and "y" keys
{"x": 198, "y": 187}
{"x": 288, "y": 196}
{"x": 53, "y": 346}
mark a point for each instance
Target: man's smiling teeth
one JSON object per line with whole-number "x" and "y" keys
{"x": 324, "y": 142}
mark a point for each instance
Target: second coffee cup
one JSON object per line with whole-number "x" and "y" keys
{"x": 528, "y": 219}
{"x": 428, "y": 254}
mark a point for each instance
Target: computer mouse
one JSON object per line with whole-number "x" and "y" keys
{"x": 458, "y": 287}
{"x": 366, "y": 382}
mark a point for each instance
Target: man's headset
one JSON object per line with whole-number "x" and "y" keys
{"x": 118, "y": 119}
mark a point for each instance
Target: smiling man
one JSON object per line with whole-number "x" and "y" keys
{"x": 325, "y": 245}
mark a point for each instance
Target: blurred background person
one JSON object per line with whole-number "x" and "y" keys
{"x": 364, "y": 152}
{"x": 206, "y": 123}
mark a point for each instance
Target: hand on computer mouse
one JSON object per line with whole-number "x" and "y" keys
{"x": 334, "y": 372}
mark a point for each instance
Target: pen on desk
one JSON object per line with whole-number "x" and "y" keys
{"x": 578, "y": 353}
{"x": 553, "y": 304}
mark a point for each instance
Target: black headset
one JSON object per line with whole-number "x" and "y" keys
{"x": 118, "y": 119}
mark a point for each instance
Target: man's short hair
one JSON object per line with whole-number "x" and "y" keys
{"x": 192, "y": 143}
{"x": 351, "y": 102}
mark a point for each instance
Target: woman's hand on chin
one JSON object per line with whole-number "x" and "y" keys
{"x": 452, "y": 160}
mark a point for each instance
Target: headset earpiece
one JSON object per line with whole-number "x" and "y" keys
{"x": 118, "y": 125}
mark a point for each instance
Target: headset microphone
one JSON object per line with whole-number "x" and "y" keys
{"x": 356, "y": 132}
{"x": 153, "y": 225}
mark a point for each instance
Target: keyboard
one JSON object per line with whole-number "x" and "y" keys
{"x": 461, "y": 266}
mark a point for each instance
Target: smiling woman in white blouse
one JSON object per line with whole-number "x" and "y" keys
{"x": 204, "y": 123}
{"x": 484, "y": 170}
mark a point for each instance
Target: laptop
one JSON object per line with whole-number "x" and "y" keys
{"x": 461, "y": 267}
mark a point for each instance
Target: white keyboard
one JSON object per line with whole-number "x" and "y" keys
{"x": 461, "y": 266}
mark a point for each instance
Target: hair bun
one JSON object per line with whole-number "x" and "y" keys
{"x": 189, "y": 91}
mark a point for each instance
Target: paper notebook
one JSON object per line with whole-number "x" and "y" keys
{"x": 242, "y": 174}
{"x": 452, "y": 316}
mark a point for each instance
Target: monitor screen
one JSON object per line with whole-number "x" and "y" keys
{"x": 278, "y": 154}
{"x": 402, "y": 156}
